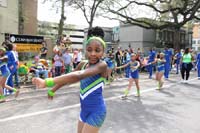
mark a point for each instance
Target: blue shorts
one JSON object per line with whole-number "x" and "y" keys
{"x": 161, "y": 69}
{"x": 134, "y": 75}
{"x": 93, "y": 118}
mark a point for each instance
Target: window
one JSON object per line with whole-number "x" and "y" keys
{"x": 194, "y": 42}
{"x": 3, "y": 3}
{"x": 198, "y": 41}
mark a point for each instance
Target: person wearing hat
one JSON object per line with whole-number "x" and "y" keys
{"x": 4, "y": 75}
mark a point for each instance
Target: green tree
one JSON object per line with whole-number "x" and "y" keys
{"x": 62, "y": 18}
{"x": 160, "y": 14}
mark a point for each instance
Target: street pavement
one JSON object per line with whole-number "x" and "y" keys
{"x": 174, "y": 109}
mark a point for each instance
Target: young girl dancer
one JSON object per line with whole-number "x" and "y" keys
{"x": 160, "y": 67}
{"x": 5, "y": 74}
{"x": 92, "y": 75}
{"x": 134, "y": 74}
{"x": 110, "y": 62}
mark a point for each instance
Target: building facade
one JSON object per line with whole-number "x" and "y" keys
{"x": 18, "y": 17}
{"x": 73, "y": 32}
{"x": 166, "y": 38}
{"x": 8, "y": 17}
{"x": 196, "y": 37}
{"x": 136, "y": 37}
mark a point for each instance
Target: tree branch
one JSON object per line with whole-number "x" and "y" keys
{"x": 153, "y": 7}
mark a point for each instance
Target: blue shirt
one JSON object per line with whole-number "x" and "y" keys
{"x": 91, "y": 97}
{"x": 198, "y": 59}
{"x": 160, "y": 65}
{"x": 152, "y": 55}
{"x": 178, "y": 57}
{"x": 168, "y": 55}
{"x": 12, "y": 59}
{"x": 67, "y": 58}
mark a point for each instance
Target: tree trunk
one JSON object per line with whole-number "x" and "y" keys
{"x": 177, "y": 40}
{"x": 90, "y": 24}
{"x": 62, "y": 19}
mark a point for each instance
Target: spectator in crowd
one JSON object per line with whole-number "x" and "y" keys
{"x": 67, "y": 58}
{"x": 139, "y": 52}
{"x": 43, "y": 50}
{"x": 177, "y": 58}
{"x": 186, "y": 65}
{"x": 75, "y": 57}
{"x": 118, "y": 59}
{"x": 58, "y": 64}
{"x": 39, "y": 68}
{"x": 79, "y": 56}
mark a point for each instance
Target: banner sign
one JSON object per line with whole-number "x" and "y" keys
{"x": 26, "y": 43}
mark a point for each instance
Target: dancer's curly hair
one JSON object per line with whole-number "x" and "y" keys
{"x": 95, "y": 31}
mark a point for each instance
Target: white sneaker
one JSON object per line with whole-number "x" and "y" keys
{"x": 186, "y": 82}
{"x": 182, "y": 81}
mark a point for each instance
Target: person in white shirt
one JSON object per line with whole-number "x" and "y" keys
{"x": 17, "y": 61}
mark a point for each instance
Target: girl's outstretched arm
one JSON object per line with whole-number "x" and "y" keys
{"x": 57, "y": 86}
{"x": 123, "y": 66}
{"x": 73, "y": 77}
{"x": 153, "y": 62}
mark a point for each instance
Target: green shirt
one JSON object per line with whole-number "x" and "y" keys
{"x": 187, "y": 58}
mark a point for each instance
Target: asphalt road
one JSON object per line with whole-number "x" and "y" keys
{"x": 174, "y": 109}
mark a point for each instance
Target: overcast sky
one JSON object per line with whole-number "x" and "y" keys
{"x": 47, "y": 13}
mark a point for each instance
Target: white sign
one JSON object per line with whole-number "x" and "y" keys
{"x": 3, "y": 3}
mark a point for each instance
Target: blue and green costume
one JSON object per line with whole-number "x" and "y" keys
{"x": 93, "y": 108}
